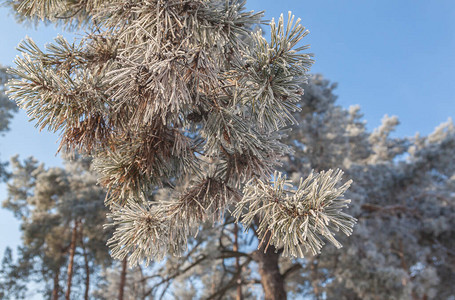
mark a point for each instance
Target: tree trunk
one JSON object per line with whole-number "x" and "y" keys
{"x": 87, "y": 277}
{"x": 271, "y": 279}
{"x": 71, "y": 260}
{"x": 87, "y": 267}
{"x": 56, "y": 287}
{"x": 122, "y": 280}
{"x": 237, "y": 263}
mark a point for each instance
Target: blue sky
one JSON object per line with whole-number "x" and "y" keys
{"x": 390, "y": 57}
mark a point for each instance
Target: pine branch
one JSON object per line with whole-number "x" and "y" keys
{"x": 296, "y": 219}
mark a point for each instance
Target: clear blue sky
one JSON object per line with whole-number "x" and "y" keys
{"x": 390, "y": 57}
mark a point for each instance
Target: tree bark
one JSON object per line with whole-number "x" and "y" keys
{"x": 87, "y": 267}
{"x": 122, "y": 280}
{"x": 237, "y": 263}
{"x": 87, "y": 277}
{"x": 271, "y": 279}
{"x": 71, "y": 259}
{"x": 56, "y": 287}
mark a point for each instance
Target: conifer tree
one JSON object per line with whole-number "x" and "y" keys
{"x": 403, "y": 198}
{"x": 170, "y": 94}
{"x": 62, "y": 216}
{"x": 7, "y": 108}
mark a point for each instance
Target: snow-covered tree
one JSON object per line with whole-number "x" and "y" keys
{"x": 403, "y": 197}
{"x": 183, "y": 94}
{"x": 401, "y": 249}
{"x": 62, "y": 216}
{"x": 7, "y": 108}
{"x": 401, "y": 187}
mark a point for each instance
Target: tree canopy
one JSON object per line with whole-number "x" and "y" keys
{"x": 62, "y": 216}
{"x": 7, "y": 108}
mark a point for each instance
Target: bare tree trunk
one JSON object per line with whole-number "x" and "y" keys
{"x": 56, "y": 287}
{"x": 87, "y": 267}
{"x": 71, "y": 261}
{"x": 237, "y": 263}
{"x": 87, "y": 277}
{"x": 271, "y": 279}
{"x": 122, "y": 280}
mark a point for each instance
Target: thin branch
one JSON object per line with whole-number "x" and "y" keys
{"x": 232, "y": 283}
{"x": 180, "y": 272}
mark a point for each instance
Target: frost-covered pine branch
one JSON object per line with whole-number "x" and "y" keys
{"x": 162, "y": 93}
{"x": 296, "y": 219}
